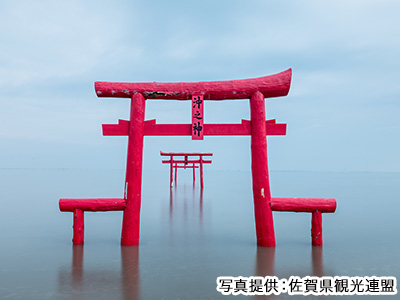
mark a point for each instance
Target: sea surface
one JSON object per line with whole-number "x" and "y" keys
{"x": 189, "y": 236}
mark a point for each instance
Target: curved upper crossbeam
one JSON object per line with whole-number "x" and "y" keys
{"x": 270, "y": 86}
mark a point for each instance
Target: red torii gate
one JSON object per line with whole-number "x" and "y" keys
{"x": 254, "y": 89}
{"x": 185, "y": 163}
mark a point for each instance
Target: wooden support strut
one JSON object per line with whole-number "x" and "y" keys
{"x": 316, "y": 228}
{"x": 79, "y": 206}
{"x": 98, "y": 204}
{"x": 316, "y": 206}
{"x": 79, "y": 227}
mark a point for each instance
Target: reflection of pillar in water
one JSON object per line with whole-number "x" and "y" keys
{"x": 77, "y": 267}
{"x": 317, "y": 261}
{"x": 130, "y": 272}
{"x": 265, "y": 261}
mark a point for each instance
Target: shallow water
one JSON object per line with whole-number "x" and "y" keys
{"x": 188, "y": 237}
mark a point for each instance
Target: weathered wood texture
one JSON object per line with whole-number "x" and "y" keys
{"x": 259, "y": 170}
{"x": 316, "y": 228}
{"x": 98, "y": 204}
{"x": 79, "y": 228}
{"x": 270, "y": 86}
{"x": 303, "y": 204}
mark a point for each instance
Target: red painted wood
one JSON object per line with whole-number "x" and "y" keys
{"x": 201, "y": 172}
{"x": 79, "y": 228}
{"x": 270, "y": 86}
{"x": 153, "y": 129}
{"x": 187, "y": 167}
{"x": 197, "y": 117}
{"x": 276, "y": 129}
{"x": 316, "y": 228}
{"x": 122, "y": 128}
{"x": 176, "y": 173}
{"x": 185, "y": 154}
{"x": 303, "y": 204}
{"x": 131, "y": 219}
{"x": 259, "y": 171}
{"x": 99, "y": 204}
{"x": 186, "y": 163}
{"x": 171, "y": 170}
{"x": 197, "y": 161}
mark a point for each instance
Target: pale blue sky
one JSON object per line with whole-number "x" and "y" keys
{"x": 342, "y": 110}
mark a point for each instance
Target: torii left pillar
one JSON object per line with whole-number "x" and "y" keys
{"x": 133, "y": 182}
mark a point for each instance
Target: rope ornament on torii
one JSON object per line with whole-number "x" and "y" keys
{"x": 256, "y": 90}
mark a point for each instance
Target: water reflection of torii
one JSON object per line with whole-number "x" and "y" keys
{"x": 172, "y": 203}
{"x": 256, "y": 90}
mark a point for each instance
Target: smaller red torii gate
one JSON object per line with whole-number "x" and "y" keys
{"x": 185, "y": 163}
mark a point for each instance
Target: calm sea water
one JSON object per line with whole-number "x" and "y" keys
{"x": 188, "y": 237}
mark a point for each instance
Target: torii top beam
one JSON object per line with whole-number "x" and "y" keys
{"x": 270, "y": 86}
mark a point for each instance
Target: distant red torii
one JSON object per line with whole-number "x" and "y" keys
{"x": 186, "y": 163}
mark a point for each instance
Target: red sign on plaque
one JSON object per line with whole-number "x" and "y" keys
{"x": 197, "y": 117}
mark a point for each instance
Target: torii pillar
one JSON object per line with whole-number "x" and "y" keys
{"x": 259, "y": 170}
{"x": 133, "y": 182}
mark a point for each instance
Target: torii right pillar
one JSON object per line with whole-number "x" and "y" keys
{"x": 259, "y": 170}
